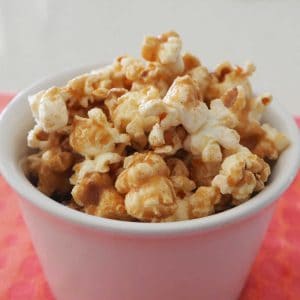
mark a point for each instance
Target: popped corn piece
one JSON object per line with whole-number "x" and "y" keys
{"x": 184, "y": 94}
{"x": 138, "y": 168}
{"x": 86, "y": 192}
{"x": 150, "y": 195}
{"x": 226, "y": 77}
{"x": 202, "y": 78}
{"x": 51, "y": 182}
{"x": 49, "y": 108}
{"x": 179, "y": 176}
{"x": 164, "y": 63}
{"x": 50, "y": 170}
{"x": 82, "y": 88}
{"x": 111, "y": 101}
{"x": 155, "y": 76}
{"x": 271, "y": 143}
{"x": 37, "y": 138}
{"x": 200, "y": 204}
{"x": 242, "y": 174}
{"x": 100, "y": 164}
{"x": 165, "y": 49}
{"x": 96, "y": 194}
{"x": 181, "y": 105}
{"x": 95, "y": 135}
{"x": 198, "y": 73}
{"x": 203, "y": 172}
{"x": 111, "y": 205}
{"x": 263, "y": 140}
{"x": 168, "y": 142}
{"x": 127, "y": 118}
{"x": 247, "y": 110}
{"x": 215, "y": 132}
{"x": 31, "y": 165}
{"x": 161, "y": 86}
{"x": 153, "y": 200}
{"x": 224, "y": 203}
{"x": 183, "y": 186}
{"x": 190, "y": 62}
{"x": 94, "y": 86}
{"x": 177, "y": 167}
{"x": 132, "y": 67}
{"x": 258, "y": 105}
{"x": 34, "y": 103}
{"x": 58, "y": 160}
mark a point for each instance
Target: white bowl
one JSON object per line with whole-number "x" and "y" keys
{"x": 87, "y": 257}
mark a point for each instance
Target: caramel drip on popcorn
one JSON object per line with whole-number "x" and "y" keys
{"x": 153, "y": 139}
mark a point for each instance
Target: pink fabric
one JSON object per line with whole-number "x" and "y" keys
{"x": 275, "y": 274}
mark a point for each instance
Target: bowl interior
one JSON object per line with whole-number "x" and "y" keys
{"x": 16, "y": 121}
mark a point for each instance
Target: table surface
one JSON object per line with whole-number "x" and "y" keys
{"x": 56, "y": 35}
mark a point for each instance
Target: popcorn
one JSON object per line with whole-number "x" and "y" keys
{"x": 95, "y": 135}
{"x": 241, "y": 174}
{"x": 168, "y": 142}
{"x": 86, "y": 192}
{"x": 132, "y": 67}
{"x": 183, "y": 185}
{"x": 184, "y": 98}
{"x": 152, "y": 201}
{"x": 94, "y": 86}
{"x": 153, "y": 139}
{"x": 86, "y": 87}
{"x": 138, "y": 168}
{"x": 98, "y": 197}
{"x": 37, "y": 138}
{"x": 149, "y": 193}
{"x": 190, "y": 62}
{"x": 271, "y": 144}
{"x": 127, "y": 118}
{"x": 227, "y": 77}
{"x": 57, "y": 160}
{"x": 50, "y": 169}
{"x": 111, "y": 205}
{"x": 164, "y": 49}
{"x": 247, "y": 111}
{"x": 181, "y": 105}
{"x": 49, "y": 109}
{"x": 111, "y": 100}
{"x": 202, "y": 78}
{"x": 263, "y": 140}
{"x": 224, "y": 203}
{"x": 216, "y": 131}
{"x": 100, "y": 164}
{"x": 203, "y": 172}
{"x": 154, "y": 76}
{"x": 177, "y": 167}
{"x": 200, "y": 204}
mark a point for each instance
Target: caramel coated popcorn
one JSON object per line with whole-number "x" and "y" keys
{"x": 153, "y": 139}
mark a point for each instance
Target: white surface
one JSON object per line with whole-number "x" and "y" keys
{"x": 40, "y": 37}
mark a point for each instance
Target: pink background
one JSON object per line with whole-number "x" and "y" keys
{"x": 275, "y": 274}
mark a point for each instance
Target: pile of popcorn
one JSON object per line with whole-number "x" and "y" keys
{"x": 156, "y": 139}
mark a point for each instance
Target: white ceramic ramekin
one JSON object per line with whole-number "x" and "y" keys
{"x": 86, "y": 257}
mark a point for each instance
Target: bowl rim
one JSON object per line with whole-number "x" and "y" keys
{"x": 23, "y": 187}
